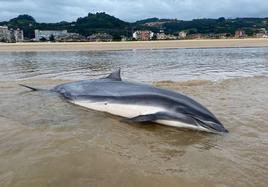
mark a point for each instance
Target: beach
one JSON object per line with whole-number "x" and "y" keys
{"x": 46, "y": 141}
{"x": 132, "y": 45}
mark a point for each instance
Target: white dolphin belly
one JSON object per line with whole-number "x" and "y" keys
{"x": 132, "y": 110}
{"x": 124, "y": 110}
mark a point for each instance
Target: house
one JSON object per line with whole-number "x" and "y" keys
{"x": 155, "y": 24}
{"x": 163, "y": 36}
{"x": 216, "y": 36}
{"x": 143, "y": 35}
{"x": 58, "y": 35}
{"x": 100, "y": 37}
{"x": 124, "y": 38}
{"x": 46, "y": 34}
{"x": 261, "y": 35}
{"x": 19, "y": 35}
{"x": 240, "y": 34}
{"x": 70, "y": 37}
{"x": 12, "y": 38}
{"x": 263, "y": 30}
{"x": 182, "y": 35}
{"x": 195, "y": 36}
{"x": 4, "y": 34}
{"x": 11, "y": 35}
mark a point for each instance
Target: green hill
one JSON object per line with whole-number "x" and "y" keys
{"x": 208, "y": 26}
{"x": 102, "y": 22}
{"x": 99, "y": 22}
{"x": 25, "y": 22}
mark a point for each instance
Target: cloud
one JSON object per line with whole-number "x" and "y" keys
{"x": 129, "y": 10}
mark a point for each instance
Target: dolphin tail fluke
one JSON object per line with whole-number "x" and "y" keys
{"x": 31, "y": 88}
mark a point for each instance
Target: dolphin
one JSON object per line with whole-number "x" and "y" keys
{"x": 139, "y": 103}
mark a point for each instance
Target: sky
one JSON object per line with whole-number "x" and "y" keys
{"x": 132, "y": 10}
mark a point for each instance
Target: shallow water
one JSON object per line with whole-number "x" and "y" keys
{"x": 45, "y": 141}
{"x": 139, "y": 65}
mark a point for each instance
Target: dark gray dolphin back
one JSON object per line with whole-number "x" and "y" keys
{"x": 113, "y": 87}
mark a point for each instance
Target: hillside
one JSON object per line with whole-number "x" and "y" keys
{"x": 99, "y": 22}
{"x": 102, "y": 22}
{"x": 207, "y": 26}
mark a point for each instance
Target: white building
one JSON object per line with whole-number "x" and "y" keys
{"x": 163, "y": 36}
{"x": 11, "y": 35}
{"x": 182, "y": 34}
{"x": 261, "y": 35}
{"x": 100, "y": 37}
{"x": 4, "y": 34}
{"x": 143, "y": 35}
{"x": 263, "y": 30}
{"x": 48, "y": 33}
{"x": 19, "y": 35}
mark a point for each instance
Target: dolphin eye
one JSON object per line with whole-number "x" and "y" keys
{"x": 67, "y": 95}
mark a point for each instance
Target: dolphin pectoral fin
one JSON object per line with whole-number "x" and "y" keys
{"x": 144, "y": 118}
{"x": 141, "y": 119}
{"x": 150, "y": 117}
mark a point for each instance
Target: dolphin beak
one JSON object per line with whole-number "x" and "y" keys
{"x": 214, "y": 127}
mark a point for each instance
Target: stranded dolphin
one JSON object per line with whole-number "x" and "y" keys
{"x": 139, "y": 103}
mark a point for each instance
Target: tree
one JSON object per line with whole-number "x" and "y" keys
{"x": 43, "y": 39}
{"x": 117, "y": 37}
{"x": 221, "y": 19}
{"x": 52, "y": 38}
{"x": 154, "y": 37}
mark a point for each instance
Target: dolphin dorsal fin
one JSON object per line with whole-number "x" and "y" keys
{"x": 116, "y": 75}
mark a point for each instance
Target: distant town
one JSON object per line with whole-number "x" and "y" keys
{"x": 25, "y": 29}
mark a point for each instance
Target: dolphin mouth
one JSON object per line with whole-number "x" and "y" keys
{"x": 213, "y": 127}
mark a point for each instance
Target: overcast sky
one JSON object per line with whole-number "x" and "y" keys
{"x": 132, "y": 10}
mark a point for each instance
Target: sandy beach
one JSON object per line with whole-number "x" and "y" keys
{"x": 92, "y": 46}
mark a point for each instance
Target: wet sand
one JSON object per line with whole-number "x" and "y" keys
{"x": 45, "y": 141}
{"x": 97, "y": 46}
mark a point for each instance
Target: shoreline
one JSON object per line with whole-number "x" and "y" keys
{"x": 133, "y": 45}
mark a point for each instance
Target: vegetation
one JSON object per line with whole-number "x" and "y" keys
{"x": 221, "y": 25}
{"x": 51, "y": 38}
{"x": 43, "y": 39}
{"x": 104, "y": 23}
{"x": 25, "y": 22}
{"x": 100, "y": 22}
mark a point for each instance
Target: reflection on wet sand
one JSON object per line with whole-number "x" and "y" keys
{"x": 45, "y": 141}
